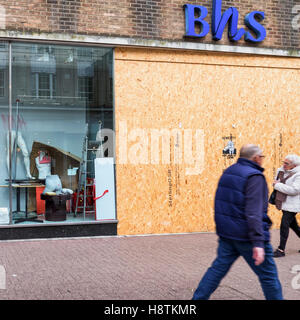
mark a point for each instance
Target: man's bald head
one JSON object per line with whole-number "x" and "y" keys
{"x": 248, "y": 151}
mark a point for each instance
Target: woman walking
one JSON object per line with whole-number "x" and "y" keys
{"x": 287, "y": 186}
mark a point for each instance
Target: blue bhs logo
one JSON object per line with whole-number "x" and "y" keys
{"x": 195, "y": 15}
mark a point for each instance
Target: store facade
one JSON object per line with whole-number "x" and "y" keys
{"x": 54, "y": 98}
{"x": 123, "y": 125}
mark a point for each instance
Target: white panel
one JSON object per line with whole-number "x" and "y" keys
{"x": 4, "y": 216}
{"x": 105, "y": 180}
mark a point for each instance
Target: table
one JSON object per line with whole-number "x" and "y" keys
{"x": 56, "y": 206}
{"x": 19, "y": 186}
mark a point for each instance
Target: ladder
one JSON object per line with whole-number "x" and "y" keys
{"x": 83, "y": 180}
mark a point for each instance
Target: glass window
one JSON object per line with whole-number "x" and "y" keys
{"x": 4, "y": 129}
{"x": 2, "y": 83}
{"x": 85, "y": 88}
{"x": 43, "y": 85}
{"x": 60, "y": 96}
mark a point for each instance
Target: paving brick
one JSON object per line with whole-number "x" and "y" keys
{"x": 166, "y": 267}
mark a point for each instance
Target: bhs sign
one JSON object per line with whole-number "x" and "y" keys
{"x": 195, "y": 15}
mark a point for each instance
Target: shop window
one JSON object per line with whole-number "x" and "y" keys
{"x": 85, "y": 88}
{"x": 2, "y": 83}
{"x": 62, "y": 101}
{"x": 85, "y": 54}
{"x": 44, "y": 85}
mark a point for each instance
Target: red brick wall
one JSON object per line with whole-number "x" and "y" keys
{"x": 148, "y": 19}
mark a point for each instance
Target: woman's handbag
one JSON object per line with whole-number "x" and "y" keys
{"x": 280, "y": 196}
{"x": 273, "y": 194}
{"x": 272, "y": 197}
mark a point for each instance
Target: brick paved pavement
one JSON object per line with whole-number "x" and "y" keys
{"x": 166, "y": 267}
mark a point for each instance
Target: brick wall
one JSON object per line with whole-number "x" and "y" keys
{"x": 147, "y": 19}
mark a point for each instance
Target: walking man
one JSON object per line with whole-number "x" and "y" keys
{"x": 242, "y": 224}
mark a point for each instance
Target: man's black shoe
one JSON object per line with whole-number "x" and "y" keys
{"x": 278, "y": 253}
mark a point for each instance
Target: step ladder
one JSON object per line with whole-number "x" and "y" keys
{"x": 85, "y": 180}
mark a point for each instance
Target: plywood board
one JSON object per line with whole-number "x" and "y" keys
{"x": 254, "y": 99}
